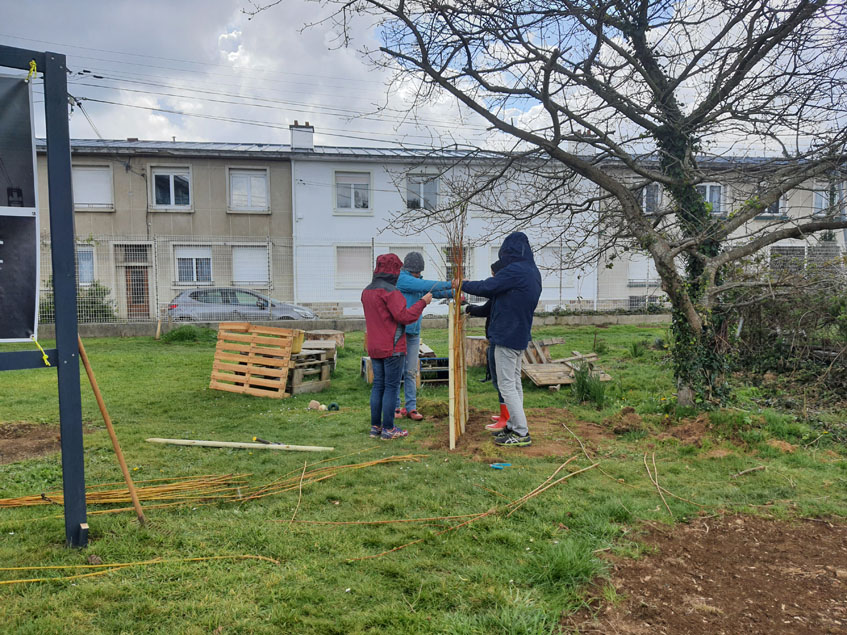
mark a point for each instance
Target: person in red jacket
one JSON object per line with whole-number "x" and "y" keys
{"x": 385, "y": 318}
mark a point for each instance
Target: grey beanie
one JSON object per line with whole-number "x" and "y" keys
{"x": 413, "y": 262}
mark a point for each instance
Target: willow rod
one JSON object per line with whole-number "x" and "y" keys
{"x": 117, "y": 446}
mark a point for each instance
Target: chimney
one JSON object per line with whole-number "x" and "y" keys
{"x": 302, "y": 137}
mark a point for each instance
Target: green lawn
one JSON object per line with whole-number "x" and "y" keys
{"x": 498, "y": 575}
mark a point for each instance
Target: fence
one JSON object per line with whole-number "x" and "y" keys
{"x": 206, "y": 278}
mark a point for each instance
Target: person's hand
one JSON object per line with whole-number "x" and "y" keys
{"x": 467, "y": 308}
{"x": 427, "y": 298}
{"x": 454, "y": 283}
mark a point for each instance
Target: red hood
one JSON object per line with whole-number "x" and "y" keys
{"x": 388, "y": 264}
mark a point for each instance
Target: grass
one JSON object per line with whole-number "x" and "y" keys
{"x": 500, "y": 575}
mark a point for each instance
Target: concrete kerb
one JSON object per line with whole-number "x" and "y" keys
{"x": 148, "y": 329}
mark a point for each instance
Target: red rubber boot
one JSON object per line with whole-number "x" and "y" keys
{"x": 500, "y": 422}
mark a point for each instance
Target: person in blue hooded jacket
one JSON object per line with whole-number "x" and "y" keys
{"x": 515, "y": 291}
{"x": 413, "y": 287}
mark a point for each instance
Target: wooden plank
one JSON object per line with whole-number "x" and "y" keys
{"x": 309, "y": 387}
{"x": 236, "y": 368}
{"x": 273, "y": 362}
{"x": 451, "y": 385}
{"x": 326, "y": 334}
{"x": 248, "y": 446}
{"x": 425, "y": 351}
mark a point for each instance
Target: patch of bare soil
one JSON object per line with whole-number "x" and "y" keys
{"x": 736, "y": 574}
{"x": 21, "y": 440}
{"x": 627, "y": 420}
{"x": 690, "y": 432}
{"x": 549, "y": 437}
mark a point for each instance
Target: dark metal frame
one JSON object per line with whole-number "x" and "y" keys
{"x": 65, "y": 357}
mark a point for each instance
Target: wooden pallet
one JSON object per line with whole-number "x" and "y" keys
{"x": 326, "y": 334}
{"x": 309, "y": 372}
{"x": 252, "y": 359}
{"x": 537, "y": 366}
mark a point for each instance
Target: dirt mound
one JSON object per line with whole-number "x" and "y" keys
{"x": 627, "y": 420}
{"x": 21, "y": 440}
{"x": 549, "y": 437}
{"x": 737, "y": 574}
{"x": 691, "y": 432}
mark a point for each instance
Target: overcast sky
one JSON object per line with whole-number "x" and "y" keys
{"x": 207, "y": 59}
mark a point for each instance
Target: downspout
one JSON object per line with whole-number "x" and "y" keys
{"x": 294, "y": 231}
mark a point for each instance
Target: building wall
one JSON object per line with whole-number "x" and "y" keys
{"x": 320, "y": 230}
{"x": 133, "y": 240}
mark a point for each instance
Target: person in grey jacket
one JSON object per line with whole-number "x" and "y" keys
{"x": 413, "y": 287}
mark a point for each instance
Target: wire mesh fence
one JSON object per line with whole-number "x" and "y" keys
{"x": 211, "y": 279}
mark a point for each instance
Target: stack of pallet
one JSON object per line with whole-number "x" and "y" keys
{"x": 259, "y": 361}
{"x": 541, "y": 370}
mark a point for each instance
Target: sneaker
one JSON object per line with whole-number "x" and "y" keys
{"x": 375, "y": 432}
{"x": 399, "y": 413}
{"x": 502, "y": 433}
{"x": 513, "y": 439}
{"x": 414, "y": 415}
{"x": 497, "y": 426}
{"x": 393, "y": 433}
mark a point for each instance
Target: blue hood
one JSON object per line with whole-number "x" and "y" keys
{"x": 515, "y": 249}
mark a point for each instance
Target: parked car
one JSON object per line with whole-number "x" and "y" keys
{"x": 215, "y": 304}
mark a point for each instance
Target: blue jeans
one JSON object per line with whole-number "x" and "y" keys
{"x": 410, "y": 380}
{"x": 492, "y": 369}
{"x": 387, "y": 372}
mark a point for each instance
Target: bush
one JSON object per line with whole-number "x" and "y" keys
{"x": 189, "y": 333}
{"x": 637, "y": 348}
{"x": 93, "y": 304}
{"x": 588, "y": 387}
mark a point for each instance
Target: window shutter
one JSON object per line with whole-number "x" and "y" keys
{"x": 92, "y": 186}
{"x": 353, "y": 266}
{"x": 250, "y": 265}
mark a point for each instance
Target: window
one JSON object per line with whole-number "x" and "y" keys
{"x": 830, "y": 200}
{"x": 171, "y": 187}
{"x": 774, "y": 209}
{"x": 421, "y": 191}
{"x": 353, "y": 267}
{"x": 788, "y": 259}
{"x": 92, "y": 187}
{"x": 250, "y": 265}
{"x": 642, "y": 271}
{"x": 84, "y": 265}
{"x": 711, "y": 193}
{"x": 248, "y": 190}
{"x": 193, "y": 264}
{"x": 352, "y": 192}
{"x": 651, "y": 198}
{"x": 449, "y": 266}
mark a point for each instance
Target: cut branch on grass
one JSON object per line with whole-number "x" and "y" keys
{"x": 655, "y": 481}
{"x": 748, "y": 470}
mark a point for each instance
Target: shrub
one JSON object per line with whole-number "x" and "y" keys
{"x": 637, "y": 348}
{"x": 588, "y": 387}
{"x": 93, "y": 304}
{"x": 189, "y": 333}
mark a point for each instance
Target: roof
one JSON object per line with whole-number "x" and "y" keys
{"x": 265, "y": 150}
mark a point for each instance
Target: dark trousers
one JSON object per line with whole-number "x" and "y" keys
{"x": 387, "y": 373}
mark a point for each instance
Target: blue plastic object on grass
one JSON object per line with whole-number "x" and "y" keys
{"x": 500, "y": 466}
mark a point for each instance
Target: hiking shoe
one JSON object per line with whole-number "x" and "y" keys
{"x": 499, "y": 425}
{"x": 375, "y": 432}
{"x": 414, "y": 415}
{"x": 399, "y": 413}
{"x": 393, "y": 433}
{"x": 513, "y": 439}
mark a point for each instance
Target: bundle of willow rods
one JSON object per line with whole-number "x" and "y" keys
{"x": 203, "y": 490}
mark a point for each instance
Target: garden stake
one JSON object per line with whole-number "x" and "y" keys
{"x": 90, "y": 372}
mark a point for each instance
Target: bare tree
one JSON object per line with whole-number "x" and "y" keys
{"x": 627, "y": 93}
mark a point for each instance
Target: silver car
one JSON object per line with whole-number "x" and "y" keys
{"x": 215, "y": 304}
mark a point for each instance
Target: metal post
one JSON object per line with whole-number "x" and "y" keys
{"x": 64, "y": 285}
